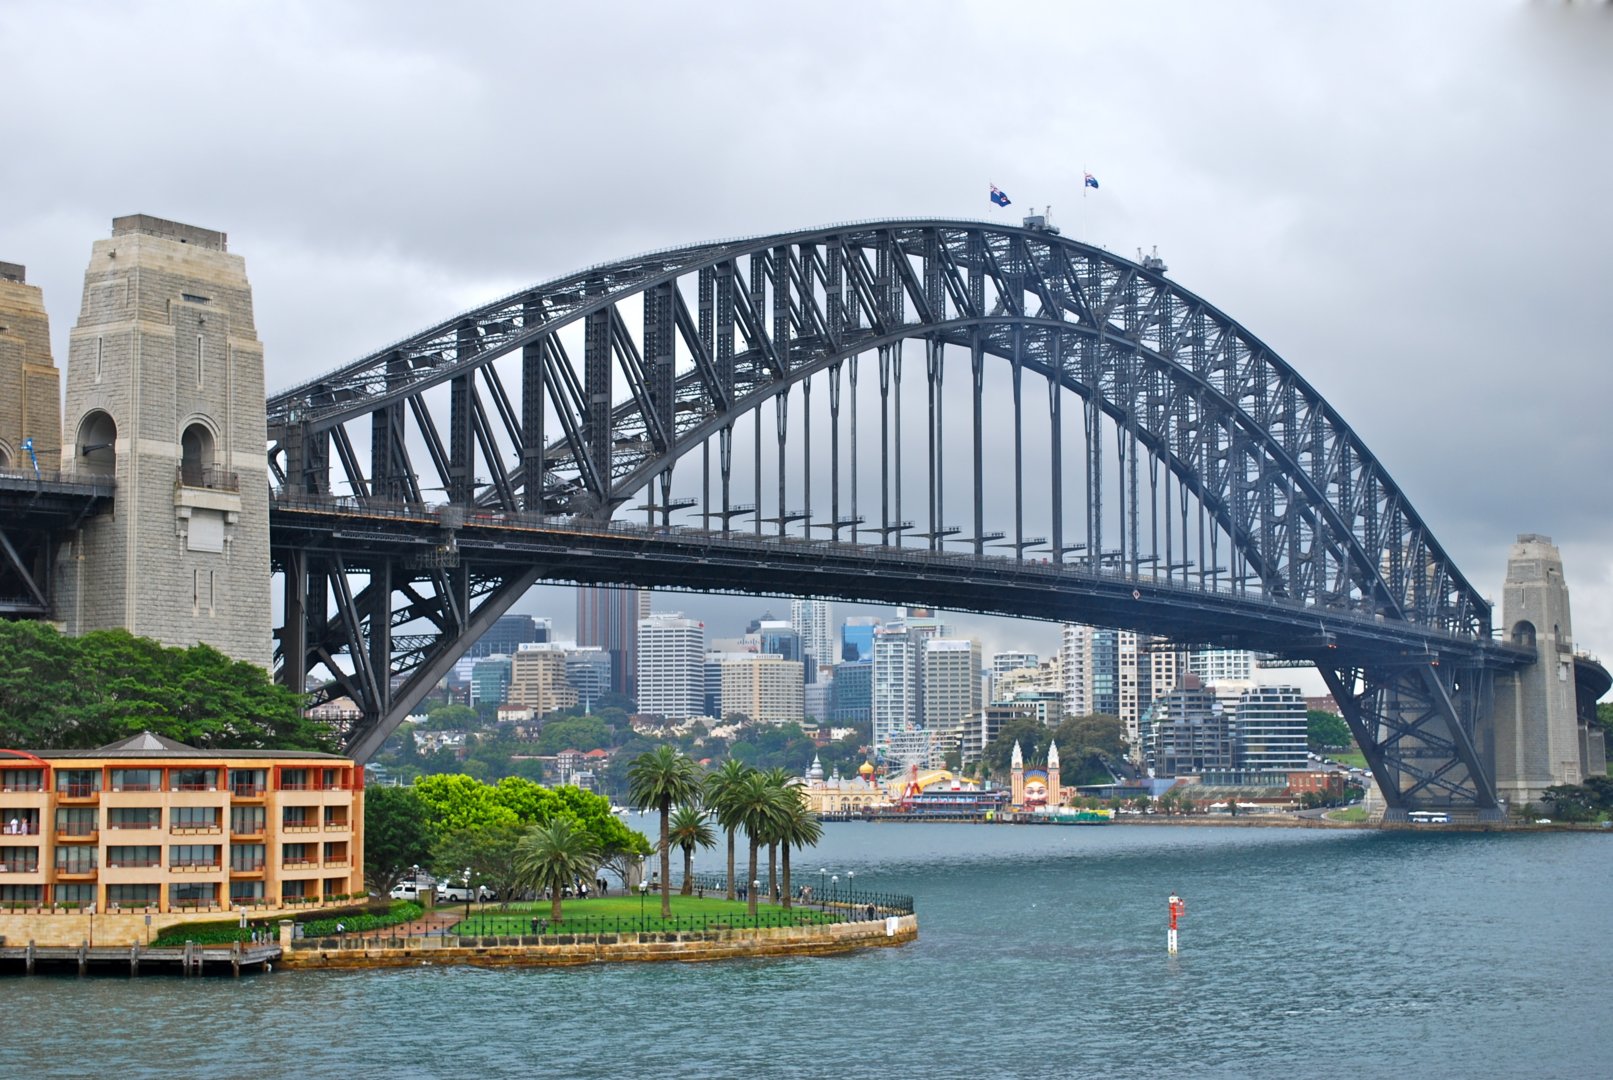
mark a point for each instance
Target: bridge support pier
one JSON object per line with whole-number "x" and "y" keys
{"x": 1414, "y": 721}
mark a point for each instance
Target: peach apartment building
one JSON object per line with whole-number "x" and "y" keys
{"x": 152, "y": 826}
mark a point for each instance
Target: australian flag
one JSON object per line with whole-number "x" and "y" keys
{"x": 998, "y": 197}
{"x": 1091, "y": 181}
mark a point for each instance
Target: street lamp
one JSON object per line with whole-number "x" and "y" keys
{"x": 467, "y": 898}
{"x": 756, "y": 894}
{"x": 821, "y": 898}
{"x": 834, "y": 883}
{"x": 643, "y": 891}
{"x": 849, "y": 875}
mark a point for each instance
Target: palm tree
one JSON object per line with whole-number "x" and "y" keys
{"x": 658, "y": 778}
{"x": 552, "y": 856}
{"x": 689, "y": 830}
{"x": 720, "y": 788}
{"x": 781, "y": 779}
{"x": 757, "y": 805}
{"x": 798, "y": 827}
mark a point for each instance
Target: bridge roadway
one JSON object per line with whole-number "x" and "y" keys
{"x": 573, "y": 549}
{"x": 37, "y": 509}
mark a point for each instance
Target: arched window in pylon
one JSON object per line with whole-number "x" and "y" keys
{"x": 1523, "y": 633}
{"x": 95, "y": 450}
{"x": 196, "y": 456}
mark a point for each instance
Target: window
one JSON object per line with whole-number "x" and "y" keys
{"x": 136, "y": 779}
{"x": 331, "y": 780}
{"x": 19, "y": 860}
{"x": 193, "y": 817}
{"x": 127, "y": 855}
{"x": 297, "y": 890}
{"x": 246, "y": 892}
{"x": 246, "y": 820}
{"x": 19, "y": 894}
{"x": 191, "y": 894}
{"x": 245, "y": 857}
{"x": 192, "y": 855}
{"x": 78, "y": 895}
{"x": 78, "y": 783}
{"x": 294, "y": 780}
{"x": 21, "y": 779}
{"x": 195, "y": 780}
{"x": 297, "y": 855}
{"x": 335, "y": 817}
{"x": 298, "y": 817}
{"x": 247, "y": 783}
{"x": 132, "y": 895}
{"x": 76, "y": 859}
{"x": 78, "y": 821}
{"x": 336, "y": 851}
{"x": 134, "y": 817}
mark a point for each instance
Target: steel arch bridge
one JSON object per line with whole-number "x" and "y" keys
{"x": 1208, "y": 494}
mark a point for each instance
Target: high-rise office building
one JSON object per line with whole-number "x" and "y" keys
{"x": 608, "y": 618}
{"x": 1222, "y": 665}
{"x": 811, "y": 621}
{"x": 857, "y": 637}
{"x": 950, "y": 675}
{"x": 671, "y": 669}
{"x": 1004, "y": 662}
{"x": 490, "y": 680}
{"x": 763, "y": 687}
{"x": 538, "y": 678}
{"x": 851, "y": 695}
{"x": 508, "y": 633}
{"x": 588, "y": 670}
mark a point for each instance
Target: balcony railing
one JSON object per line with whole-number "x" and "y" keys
{"x": 247, "y": 791}
{"x": 194, "y": 787}
{"x": 78, "y": 791}
{"x": 299, "y": 826}
{"x": 134, "y": 864}
{"x": 337, "y": 826}
{"x": 195, "y": 864}
{"x": 207, "y": 477}
{"x": 20, "y": 828}
{"x": 254, "y": 866}
{"x": 77, "y": 832}
{"x": 29, "y": 787}
{"x": 137, "y": 786}
{"x": 19, "y": 867}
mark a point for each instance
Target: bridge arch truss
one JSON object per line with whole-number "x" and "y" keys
{"x": 1175, "y": 448}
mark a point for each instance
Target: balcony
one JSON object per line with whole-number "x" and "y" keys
{"x": 337, "y": 864}
{"x": 22, "y": 866}
{"x": 299, "y": 864}
{"x": 195, "y": 830}
{"x": 19, "y": 828}
{"x": 194, "y": 866}
{"x": 255, "y": 866}
{"x": 247, "y": 791}
{"x": 75, "y": 873}
{"x": 76, "y": 834}
{"x": 337, "y": 826}
{"x": 71, "y": 792}
{"x": 299, "y": 826}
{"x": 206, "y": 478}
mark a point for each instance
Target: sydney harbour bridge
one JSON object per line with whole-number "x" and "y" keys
{"x": 979, "y": 417}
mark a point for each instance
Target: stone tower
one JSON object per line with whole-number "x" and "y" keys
{"x": 1016, "y": 766}
{"x": 1536, "y": 727}
{"x": 165, "y": 394}
{"x": 30, "y": 396}
{"x": 1055, "y": 791}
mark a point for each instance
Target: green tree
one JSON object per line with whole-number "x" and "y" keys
{"x": 397, "y": 835}
{"x": 721, "y": 789}
{"x": 552, "y": 855}
{"x": 455, "y": 802}
{"x": 798, "y": 827}
{"x": 79, "y": 692}
{"x": 1325, "y": 731}
{"x": 657, "y": 780}
{"x": 758, "y": 805}
{"x": 451, "y": 718}
{"x": 583, "y": 733}
{"x": 1570, "y": 802}
{"x": 489, "y": 852}
{"x": 782, "y": 780}
{"x": 689, "y": 829}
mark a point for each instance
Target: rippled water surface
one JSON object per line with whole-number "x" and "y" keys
{"x": 1041, "y": 954}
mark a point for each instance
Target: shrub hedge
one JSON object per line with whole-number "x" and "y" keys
{"x": 354, "y": 919}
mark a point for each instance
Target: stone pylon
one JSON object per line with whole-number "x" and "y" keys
{"x": 1536, "y": 730}
{"x": 30, "y": 395}
{"x": 165, "y": 394}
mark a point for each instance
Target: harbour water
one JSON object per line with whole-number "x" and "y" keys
{"x": 1041, "y": 954}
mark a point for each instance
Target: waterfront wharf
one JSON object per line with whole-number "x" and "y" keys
{"x": 189, "y": 959}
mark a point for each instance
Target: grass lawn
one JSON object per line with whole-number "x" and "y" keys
{"x": 613, "y": 914}
{"x": 1353, "y": 758}
{"x": 1349, "y": 813}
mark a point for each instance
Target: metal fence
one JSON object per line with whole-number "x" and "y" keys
{"x": 809, "y": 889}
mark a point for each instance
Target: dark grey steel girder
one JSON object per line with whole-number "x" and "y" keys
{"x": 1291, "y": 506}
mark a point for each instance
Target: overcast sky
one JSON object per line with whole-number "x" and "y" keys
{"x": 1408, "y": 202}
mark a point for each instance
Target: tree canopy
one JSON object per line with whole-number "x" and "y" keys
{"x": 1325, "y": 731}
{"x": 61, "y": 692}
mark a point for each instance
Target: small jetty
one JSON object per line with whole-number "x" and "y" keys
{"x": 234, "y": 959}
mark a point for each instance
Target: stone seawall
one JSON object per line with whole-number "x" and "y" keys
{"x": 563, "y": 950}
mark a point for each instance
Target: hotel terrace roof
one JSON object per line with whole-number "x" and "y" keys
{"x": 149, "y": 745}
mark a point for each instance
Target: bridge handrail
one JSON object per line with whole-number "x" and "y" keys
{"x": 452, "y": 517}
{"x": 60, "y": 478}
